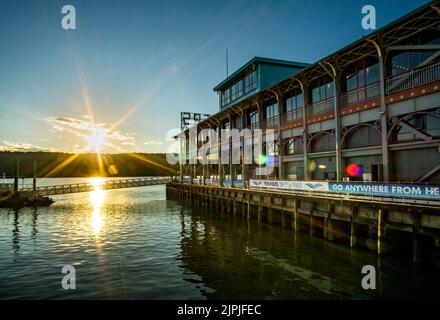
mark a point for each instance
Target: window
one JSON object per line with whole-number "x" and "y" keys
{"x": 240, "y": 88}
{"x": 254, "y": 119}
{"x": 325, "y": 142}
{"x": 294, "y": 106}
{"x": 237, "y": 90}
{"x": 272, "y": 115}
{"x": 226, "y": 96}
{"x": 272, "y": 111}
{"x": 364, "y": 136}
{"x": 405, "y": 61}
{"x": 250, "y": 82}
{"x": 361, "y": 74}
{"x": 323, "y": 90}
{"x": 361, "y": 82}
{"x": 294, "y": 146}
{"x": 291, "y": 146}
{"x": 237, "y": 122}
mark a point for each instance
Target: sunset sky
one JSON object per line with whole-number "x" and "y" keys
{"x": 129, "y": 69}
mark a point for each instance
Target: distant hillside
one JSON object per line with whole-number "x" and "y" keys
{"x": 53, "y": 164}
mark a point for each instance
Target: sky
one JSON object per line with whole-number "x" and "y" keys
{"x": 118, "y": 82}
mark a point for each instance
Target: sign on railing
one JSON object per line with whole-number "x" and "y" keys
{"x": 290, "y": 185}
{"x": 371, "y": 189}
{"x": 387, "y": 190}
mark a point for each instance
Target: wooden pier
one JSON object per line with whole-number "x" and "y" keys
{"x": 351, "y": 220}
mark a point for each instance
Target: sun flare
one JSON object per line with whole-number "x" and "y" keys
{"x": 97, "y": 140}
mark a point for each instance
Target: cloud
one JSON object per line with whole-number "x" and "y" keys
{"x": 152, "y": 142}
{"x": 93, "y": 133}
{"x": 22, "y": 147}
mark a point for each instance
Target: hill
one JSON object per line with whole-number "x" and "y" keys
{"x": 54, "y": 164}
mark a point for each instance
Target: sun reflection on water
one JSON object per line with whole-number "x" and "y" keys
{"x": 97, "y": 197}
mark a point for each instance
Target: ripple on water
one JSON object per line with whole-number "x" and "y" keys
{"x": 136, "y": 245}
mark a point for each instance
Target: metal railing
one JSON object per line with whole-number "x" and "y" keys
{"x": 271, "y": 123}
{"x": 359, "y": 95}
{"x": 292, "y": 115}
{"x": 87, "y": 187}
{"x": 413, "y": 78}
{"x": 321, "y": 107}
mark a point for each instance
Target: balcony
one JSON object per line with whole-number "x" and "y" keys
{"x": 321, "y": 107}
{"x": 271, "y": 123}
{"x": 359, "y": 95}
{"x": 413, "y": 79}
{"x": 292, "y": 115}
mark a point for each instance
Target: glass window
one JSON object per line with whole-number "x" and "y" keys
{"x": 237, "y": 122}
{"x": 322, "y": 91}
{"x": 294, "y": 103}
{"x": 372, "y": 73}
{"x": 351, "y": 81}
{"x": 254, "y": 118}
{"x": 316, "y": 95}
{"x": 291, "y": 146}
{"x": 250, "y": 82}
{"x": 272, "y": 110}
{"x": 329, "y": 90}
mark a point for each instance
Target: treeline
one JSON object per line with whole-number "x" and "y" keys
{"x": 54, "y": 164}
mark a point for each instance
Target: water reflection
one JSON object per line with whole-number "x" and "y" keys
{"x": 16, "y": 233}
{"x": 97, "y": 197}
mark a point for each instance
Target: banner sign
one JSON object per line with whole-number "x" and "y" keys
{"x": 395, "y": 190}
{"x": 186, "y": 180}
{"x": 290, "y": 185}
{"x": 235, "y": 183}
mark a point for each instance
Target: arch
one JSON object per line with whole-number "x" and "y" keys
{"x": 355, "y": 128}
{"x": 318, "y": 136}
{"x": 285, "y": 142}
{"x": 409, "y": 116}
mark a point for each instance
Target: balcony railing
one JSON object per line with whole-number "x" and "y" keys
{"x": 292, "y": 115}
{"x": 414, "y": 78}
{"x": 360, "y": 94}
{"x": 271, "y": 123}
{"x": 321, "y": 107}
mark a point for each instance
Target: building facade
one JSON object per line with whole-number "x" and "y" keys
{"x": 368, "y": 112}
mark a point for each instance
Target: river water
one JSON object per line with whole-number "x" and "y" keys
{"x": 134, "y": 244}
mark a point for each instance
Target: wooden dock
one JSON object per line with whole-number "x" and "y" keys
{"x": 333, "y": 217}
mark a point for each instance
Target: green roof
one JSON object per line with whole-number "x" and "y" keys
{"x": 258, "y": 60}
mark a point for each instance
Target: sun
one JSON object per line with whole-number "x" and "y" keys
{"x": 96, "y": 140}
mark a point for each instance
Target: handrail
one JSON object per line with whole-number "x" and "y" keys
{"x": 413, "y": 78}
{"x": 361, "y": 94}
{"x": 322, "y": 106}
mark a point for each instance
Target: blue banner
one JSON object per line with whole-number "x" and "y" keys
{"x": 390, "y": 190}
{"x": 235, "y": 183}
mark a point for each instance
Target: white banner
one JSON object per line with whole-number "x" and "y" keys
{"x": 290, "y": 185}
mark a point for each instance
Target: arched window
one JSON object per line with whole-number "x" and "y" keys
{"x": 324, "y": 142}
{"x": 294, "y": 146}
{"x": 363, "y": 136}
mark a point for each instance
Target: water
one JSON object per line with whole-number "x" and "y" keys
{"x": 133, "y": 244}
